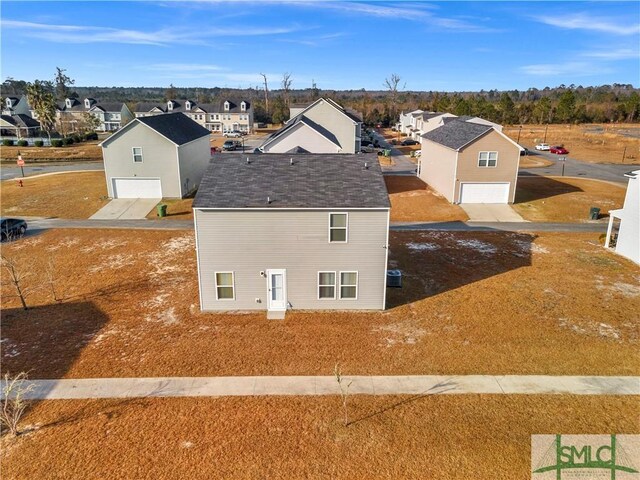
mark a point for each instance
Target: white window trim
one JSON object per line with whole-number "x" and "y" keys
{"x": 233, "y": 286}
{"x": 346, "y": 227}
{"x": 487, "y": 165}
{"x": 133, "y": 153}
{"x": 335, "y": 282}
{"x": 356, "y": 285}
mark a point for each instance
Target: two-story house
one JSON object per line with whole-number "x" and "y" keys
{"x": 321, "y": 127}
{"x": 70, "y": 114}
{"x": 276, "y": 232}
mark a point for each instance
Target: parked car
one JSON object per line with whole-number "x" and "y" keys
{"x": 367, "y": 149}
{"x": 233, "y": 134}
{"x": 523, "y": 151}
{"x": 229, "y": 145}
{"x": 543, "y": 146}
{"x": 559, "y": 150}
{"x": 417, "y": 153}
{"x": 12, "y": 227}
{"x": 409, "y": 141}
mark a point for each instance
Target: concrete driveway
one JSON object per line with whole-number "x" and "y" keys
{"x": 126, "y": 209}
{"x": 491, "y": 212}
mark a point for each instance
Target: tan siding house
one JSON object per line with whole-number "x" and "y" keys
{"x": 468, "y": 162}
{"x": 277, "y": 234}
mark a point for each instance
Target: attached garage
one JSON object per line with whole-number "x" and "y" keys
{"x": 134, "y": 187}
{"x": 484, "y": 193}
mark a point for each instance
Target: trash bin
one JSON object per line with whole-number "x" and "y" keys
{"x": 162, "y": 210}
{"x": 394, "y": 278}
{"x": 387, "y": 153}
{"x": 594, "y": 213}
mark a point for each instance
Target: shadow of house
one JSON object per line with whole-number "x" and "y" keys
{"x": 45, "y": 341}
{"x": 536, "y": 187}
{"x": 433, "y": 262}
{"x": 400, "y": 184}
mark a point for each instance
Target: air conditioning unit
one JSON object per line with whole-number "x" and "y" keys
{"x": 394, "y": 278}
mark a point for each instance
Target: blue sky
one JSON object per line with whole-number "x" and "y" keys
{"x": 445, "y": 46}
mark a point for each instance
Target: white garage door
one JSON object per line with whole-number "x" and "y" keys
{"x": 137, "y": 188}
{"x": 484, "y": 193}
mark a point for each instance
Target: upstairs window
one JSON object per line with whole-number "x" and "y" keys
{"x": 170, "y": 106}
{"x": 487, "y": 159}
{"x": 338, "y": 227}
{"x": 243, "y": 106}
{"x": 226, "y": 106}
{"x": 137, "y": 154}
{"x": 187, "y": 105}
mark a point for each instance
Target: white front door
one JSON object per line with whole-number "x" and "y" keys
{"x": 277, "y": 289}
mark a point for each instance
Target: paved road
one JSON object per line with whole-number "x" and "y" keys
{"x": 325, "y": 385}
{"x": 7, "y": 173}
{"x": 577, "y": 168}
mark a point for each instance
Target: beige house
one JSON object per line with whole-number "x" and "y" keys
{"x": 469, "y": 162}
{"x": 155, "y": 157}
{"x": 322, "y": 127}
{"x": 275, "y": 232}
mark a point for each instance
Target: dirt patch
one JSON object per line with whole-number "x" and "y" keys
{"x": 86, "y": 151}
{"x": 444, "y": 437}
{"x": 471, "y": 303}
{"x": 412, "y": 200}
{"x": 64, "y": 195}
{"x": 594, "y": 143}
{"x": 562, "y": 199}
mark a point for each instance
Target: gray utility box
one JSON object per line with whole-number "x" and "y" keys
{"x": 394, "y": 278}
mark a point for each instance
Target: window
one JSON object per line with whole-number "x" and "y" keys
{"x": 326, "y": 285}
{"x": 226, "y": 106}
{"x": 349, "y": 285}
{"x": 338, "y": 227}
{"x": 224, "y": 286}
{"x": 137, "y": 154}
{"x": 487, "y": 159}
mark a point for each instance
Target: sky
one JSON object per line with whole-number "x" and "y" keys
{"x": 440, "y": 46}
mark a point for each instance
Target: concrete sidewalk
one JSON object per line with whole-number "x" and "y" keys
{"x": 491, "y": 212}
{"x": 327, "y": 385}
{"x": 126, "y": 209}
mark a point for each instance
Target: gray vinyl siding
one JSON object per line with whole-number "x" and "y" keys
{"x": 160, "y": 159}
{"x": 248, "y": 242}
{"x": 337, "y": 123}
{"x": 194, "y": 158}
{"x": 301, "y": 136}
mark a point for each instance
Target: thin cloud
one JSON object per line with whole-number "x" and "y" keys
{"x": 582, "y": 21}
{"x": 558, "y": 69}
{"x": 183, "y": 67}
{"x": 619, "y": 54}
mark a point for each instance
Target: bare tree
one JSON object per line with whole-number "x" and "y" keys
{"x": 16, "y": 278}
{"x": 13, "y": 401}
{"x": 266, "y": 93}
{"x": 391, "y": 84}
{"x": 344, "y": 392}
{"x": 51, "y": 279}
{"x": 286, "y": 86}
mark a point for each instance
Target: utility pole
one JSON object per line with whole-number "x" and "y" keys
{"x": 519, "y": 132}
{"x": 624, "y": 154}
{"x": 266, "y": 93}
{"x": 545, "y": 133}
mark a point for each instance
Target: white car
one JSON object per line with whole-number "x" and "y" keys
{"x": 417, "y": 153}
{"x": 233, "y": 134}
{"x": 543, "y": 146}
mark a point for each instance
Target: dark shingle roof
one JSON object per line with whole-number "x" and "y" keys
{"x": 457, "y": 134}
{"x": 177, "y": 127}
{"x": 313, "y": 181}
{"x": 21, "y": 120}
{"x": 144, "y": 107}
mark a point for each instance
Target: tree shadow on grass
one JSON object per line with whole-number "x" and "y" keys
{"x": 433, "y": 262}
{"x": 536, "y": 187}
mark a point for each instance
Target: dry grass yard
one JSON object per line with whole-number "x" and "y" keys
{"x": 472, "y": 303}
{"x": 594, "y": 143}
{"x": 565, "y": 199}
{"x": 532, "y": 161}
{"x": 86, "y": 151}
{"x": 64, "y": 195}
{"x": 177, "y": 209}
{"x": 412, "y": 200}
{"x": 445, "y": 437}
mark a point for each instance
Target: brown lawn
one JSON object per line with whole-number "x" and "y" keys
{"x": 565, "y": 199}
{"x": 386, "y": 161}
{"x": 530, "y": 161}
{"x": 86, "y": 151}
{"x": 444, "y": 437}
{"x": 64, "y": 195}
{"x": 472, "y": 303}
{"x": 412, "y": 200}
{"x": 177, "y": 209}
{"x": 595, "y": 143}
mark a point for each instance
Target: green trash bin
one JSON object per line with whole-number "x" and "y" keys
{"x": 162, "y": 210}
{"x": 387, "y": 153}
{"x": 594, "y": 213}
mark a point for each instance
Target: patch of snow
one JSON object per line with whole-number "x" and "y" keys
{"x": 116, "y": 262}
{"x": 167, "y": 317}
{"x": 178, "y": 244}
{"x": 400, "y": 333}
{"x": 477, "y": 245}
{"x": 422, "y": 246}
{"x": 608, "y": 331}
{"x": 186, "y": 444}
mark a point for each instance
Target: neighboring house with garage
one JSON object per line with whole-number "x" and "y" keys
{"x": 469, "y": 162}
{"x": 276, "y": 232}
{"x": 627, "y": 239}
{"x": 154, "y": 157}
{"x": 322, "y": 127}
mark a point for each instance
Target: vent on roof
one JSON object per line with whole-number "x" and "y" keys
{"x": 291, "y": 161}
{"x": 269, "y": 200}
{"x": 366, "y": 166}
{"x": 248, "y": 161}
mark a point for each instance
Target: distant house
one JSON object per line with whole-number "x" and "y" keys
{"x": 71, "y": 113}
{"x": 408, "y": 121}
{"x": 470, "y": 163}
{"x": 428, "y": 121}
{"x": 275, "y": 233}
{"x": 19, "y": 125}
{"x": 470, "y": 118}
{"x": 226, "y": 115}
{"x": 16, "y": 106}
{"x": 321, "y": 127}
{"x": 627, "y": 240}
{"x": 155, "y": 157}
